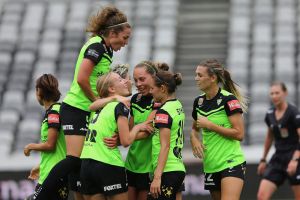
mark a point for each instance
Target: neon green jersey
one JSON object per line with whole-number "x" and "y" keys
{"x": 104, "y": 124}
{"x": 138, "y": 159}
{"x": 96, "y": 51}
{"x": 220, "y": 152}
{"x": 171, "y": 116}
{"x": 50, "y": 158}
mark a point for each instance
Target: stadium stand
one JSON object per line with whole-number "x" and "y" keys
{"x": 256, "y": 39}
{"x": 39, "y": 37}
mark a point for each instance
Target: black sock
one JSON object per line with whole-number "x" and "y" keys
{"x": 60, "y": 171}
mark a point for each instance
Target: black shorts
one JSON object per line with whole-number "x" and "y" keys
{"x": 101, "y": 178}
{"x": 171, "y": 183}
{"x": 213, "y": 180}
{"x": 140, "y": 181}
{"x": 73, "y": 120}
{"x": 60, "y": 194}
{"x": 276, "y": 170}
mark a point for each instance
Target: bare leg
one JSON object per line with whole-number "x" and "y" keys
{"x": 178, "y": 196}
{"x": 74, "y": 144}
{"x": 231, "y": 188}
{"x": 122, "y": 196}
{"x": 94, "y": 197}
{"x": 215, "y": 194}
{"x": 132, "y": 193}
{"x": 296, "y": 190}
{"x": 141, "y": 195}
{"x": 78, "y": 196}
{"x": 266, "y": 190}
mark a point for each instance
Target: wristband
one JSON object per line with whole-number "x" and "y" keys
{"x": 263, "y": 160}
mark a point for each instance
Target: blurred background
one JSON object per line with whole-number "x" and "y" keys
{"x": 257, "y": 40}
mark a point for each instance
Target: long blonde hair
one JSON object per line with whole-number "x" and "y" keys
{"x": 103, "y": 83}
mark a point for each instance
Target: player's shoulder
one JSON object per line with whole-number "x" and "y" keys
{"x": 136, "y": 98}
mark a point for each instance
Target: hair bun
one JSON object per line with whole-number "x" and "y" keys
{"x": 162, "y": 66}
{"x": 178, "y": 78}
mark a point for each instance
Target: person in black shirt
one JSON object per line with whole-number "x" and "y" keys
{"x": 283, "y": 121}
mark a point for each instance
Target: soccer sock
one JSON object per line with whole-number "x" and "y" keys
{"x": 60, "y": 171}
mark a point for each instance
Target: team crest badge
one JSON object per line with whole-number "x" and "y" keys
{"x": 219, "y": 101}
{"x": 138, "y": 98}
{"x": 200, "y": 101}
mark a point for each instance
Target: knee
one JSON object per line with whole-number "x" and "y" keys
{"x": 262, "y": 195}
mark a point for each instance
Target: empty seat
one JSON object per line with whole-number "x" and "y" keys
{"x": 13, "y": 99}
{"x": 24, "y": 58}
{"x": 49, "y": 50}
{"x": 165, "y": 38}
{"x": 257, "y": 133}
{"x": 9, "y": 119}
{"x": 261, "y": 69}
{"x": 257, "y": 111}
{"x": 285, "y": 68}
{"x": 259, "y": 93}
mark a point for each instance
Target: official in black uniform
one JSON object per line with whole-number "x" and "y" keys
{"x": 283, "y": 121}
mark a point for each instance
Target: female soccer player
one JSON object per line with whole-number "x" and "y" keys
{"x": 283, "y": 121}
{"x": 138, "y": 161}
{"x": 122, "y": 70}
{"x": 110, "y": 32}
{"x": 218, "y": 113}
{"x": 52, "y": 146}
{"x": 167, "y": 141}
{"x": 142, "y": 107}
{"x": 102, "y": 173}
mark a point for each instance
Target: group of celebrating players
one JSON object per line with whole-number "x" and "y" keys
{"x": 81, "y": 135}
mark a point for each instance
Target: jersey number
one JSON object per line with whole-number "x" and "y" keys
{"x": 91, "y": 136}
{"x": 179, "y": 141}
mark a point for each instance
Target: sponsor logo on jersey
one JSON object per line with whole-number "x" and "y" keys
{"x": 92, "y": 52}
{"x": 112, "y": 187}
{"x": 53, "y": 118}
{"x": 138, "y": 98}
{"x": 200, "y": 101}
{"x": 233, "y": 104}
{"x": 162, "y": 118}
{"x": 126, "y": 110}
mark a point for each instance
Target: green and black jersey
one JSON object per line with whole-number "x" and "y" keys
{"x": 50, "y": 158}
{"x": 95, "y": 50}
{"x": 138, "y": 159}
{"x": 170, "y": 115}
{"x": 220, "y": 152}
{"x": 102, "y": 125}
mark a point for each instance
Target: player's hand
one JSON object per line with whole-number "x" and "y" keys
{"x": 261, "y": 168}
{"x": 203, "y": 122}
{"x": 112, "y": 142}
{"x": 124, "y": 100}
{"x": 27, "y": 150}
{"x": 197, "y": 147}
{"x": 155, "y": 187}
{"x": 34, "y": 173}
{"x": 146, "y": 126}
{"x": 292, "y": 167}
